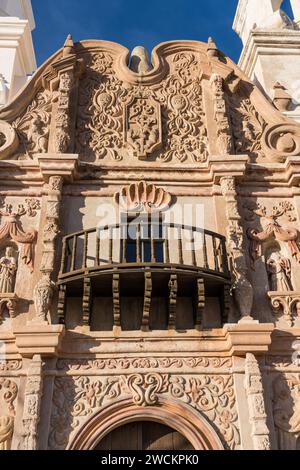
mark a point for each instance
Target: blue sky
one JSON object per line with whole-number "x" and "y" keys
{"x": 134, "y": 22}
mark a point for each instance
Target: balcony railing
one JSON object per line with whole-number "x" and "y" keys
{"x": 121, "y": 260}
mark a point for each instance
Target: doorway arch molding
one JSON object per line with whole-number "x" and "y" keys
{"x": 175, "y": 414}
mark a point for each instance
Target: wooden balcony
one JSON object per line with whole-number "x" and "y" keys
{"x": 139, "y": 275}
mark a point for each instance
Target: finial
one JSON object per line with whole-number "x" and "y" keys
{"x": 282, "y": 99}
{"x": 68, "y": 46}
{"x": 212, "y": 50}
{"x": 139, "y": 61}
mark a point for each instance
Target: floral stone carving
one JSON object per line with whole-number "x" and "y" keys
{"x": 286, "y": 304}
{"x": 141, "y": 196}
{"x": 79, "y": 397}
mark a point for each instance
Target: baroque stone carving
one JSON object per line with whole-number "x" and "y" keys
{"x": 224, "y": 139}
{"x": 279, "y": 272}
{"x": 43, "y": 293}
{"x": 142, "y": 126}
{"x": 10, "y": 365}
{"x": 32, "y": 401}
{"x": 8, "y": 393}
{"x": 108, "y": 107}
{"x": 286, "y": 304}
{"x": 247, "y": 126}
{"x": 254, "y": 390}
{"x": 139, "y": 197}
{"x": 281, "y": 141}
{"x": 33, "y": 126}
{"x": 243, "y": 291}
{"x": 284, "y": 210}
{"x": 145, "y": 363}
{"x": 62, "y": 120}
{"x": 8, "y": 269}
{"x": 286, "y": 410}
{"x": 12, "y": 229}
{"x": 6, "y": 432}
{"x": 78, "y": 397}
{"x": 8, "y": 140}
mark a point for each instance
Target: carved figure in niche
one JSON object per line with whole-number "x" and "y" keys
{"x": 8, "y": 269}
{"x": 279, "y": 272}
{"x": 286, "y": 411}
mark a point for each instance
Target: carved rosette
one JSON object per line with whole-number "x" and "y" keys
{"x": 243, "y": 291}
{"x": 224, "y": 135}
{"x": 142, "y": 196}
{"x": 32, "y": 403}
{"x": 256, "y": 404}
{"x": 287, "y": 305}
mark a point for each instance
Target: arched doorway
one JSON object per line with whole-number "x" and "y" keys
{"x": 144, "y": 435}
{"x": 188, "y": 426}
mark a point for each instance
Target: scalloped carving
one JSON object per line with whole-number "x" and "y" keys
{"x": 141, "y": 197}
{"x": 8, "y": 140}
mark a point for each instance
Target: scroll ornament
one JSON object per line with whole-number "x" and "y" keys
{"x": 273, "y": 229}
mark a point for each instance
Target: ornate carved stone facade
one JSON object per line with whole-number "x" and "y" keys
{"x": 134, "y": 305}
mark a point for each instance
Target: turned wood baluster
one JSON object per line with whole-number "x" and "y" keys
{"x": 110, "y": 259}
{"x": 124, "y": 230}
{"x": 194, "y": 262}
{"x": 153, "y": 257}
{"x": 138, "y": 243}
{"x": 167, "y": 248}
{"x": 73, "y": 257}
{"x": 205, "y": 258}
{"x": 215, "y": 250}
{"x": 180, "y": 252}
{"x": 63, "y": 257}
{"x": 97, "y": 257}
{"x": 85, "y": 250}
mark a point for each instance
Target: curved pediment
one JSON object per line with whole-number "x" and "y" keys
{"x": 190, "y": 103}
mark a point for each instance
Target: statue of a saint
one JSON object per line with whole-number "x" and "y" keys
{"x": 279, "y": 272}
{"x": 8, "y": 269}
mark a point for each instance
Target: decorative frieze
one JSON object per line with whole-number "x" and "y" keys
{"x": 256, "y": 405}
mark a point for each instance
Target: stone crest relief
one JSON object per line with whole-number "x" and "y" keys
{"x": 142, "y": 126}
{"x": 117, "y": 120}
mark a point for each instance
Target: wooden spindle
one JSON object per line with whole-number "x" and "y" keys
{"x": 167, "y": 248}
{"x": 205, "y": 258}
{"x": 97, "y": 257}
{"x": 215, "y": 250}
{"x": 73, "y": 257}
{"x": 63, "y": 256}
{"x": 124, "y": 242}
{"x": 152, "y": 242}
{"x": 138, "y": 242}
{"x": 180, "y": 252}
{"x": 110, "y": 234}
{"x": 194, "y": 262}
{"x": 85, "y": 250}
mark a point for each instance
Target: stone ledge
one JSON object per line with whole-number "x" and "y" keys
{"x": 249, "y": 337}
{"x": 39, "y": 339}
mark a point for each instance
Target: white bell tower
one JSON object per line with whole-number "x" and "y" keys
{"x": 17, "y": 57}
{"x": 271, "y": 50}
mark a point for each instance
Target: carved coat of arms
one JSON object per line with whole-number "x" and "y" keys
{"x": 142, "y": 126}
